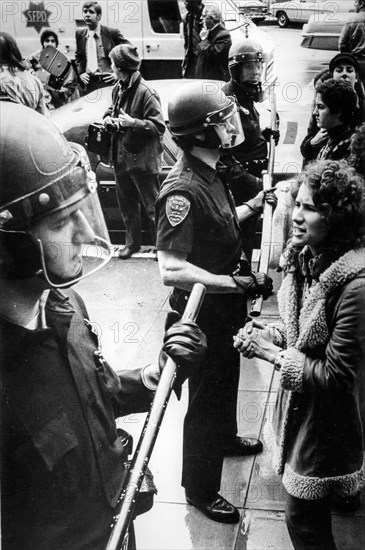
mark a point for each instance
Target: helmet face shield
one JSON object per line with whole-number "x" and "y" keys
{"x": 227, "y": 124}
{"x": 250, "y": 71}
{"x": 51, "y": 224}
{"x": 72, "y": 242}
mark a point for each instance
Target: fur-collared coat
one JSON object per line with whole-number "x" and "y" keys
{"x": 317, "y": 433}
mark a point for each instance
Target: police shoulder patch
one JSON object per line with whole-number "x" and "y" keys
{"x": 177, "y": 208}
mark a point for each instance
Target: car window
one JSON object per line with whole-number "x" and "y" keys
{"x": 165, "y": 16}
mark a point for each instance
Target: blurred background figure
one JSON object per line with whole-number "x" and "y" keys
{"x": 93, "y": 46}
{"x": 246, "y": 161}
{"x": 357, "y": 149}
{"x": 58, "y": 91}
{"x": 17, "y": 84}
{"x": 345, "y": 67}
{"x": 192, "y": 26}
{"x": 136, "y": 120}
{"x": 352, "y": 38}
{"x": 334, "y": 111}
{"x": 212, "y": 62}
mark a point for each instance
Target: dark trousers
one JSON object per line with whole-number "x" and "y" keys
{"x": 309, "y": 524}
{"x": 131, "y": 189}
{"x": 211, "y": 418}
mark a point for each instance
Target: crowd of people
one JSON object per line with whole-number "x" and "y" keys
{"x": 62, "y": 455}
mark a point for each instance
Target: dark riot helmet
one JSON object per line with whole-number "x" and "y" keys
{"x": 247, "y": 52}
{"x": 203, "y": 106}
{"x": 42, "y": 174}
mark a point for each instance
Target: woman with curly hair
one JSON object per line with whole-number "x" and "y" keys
{"x": 357, "y": 149}
{"x": 319, "y": 350}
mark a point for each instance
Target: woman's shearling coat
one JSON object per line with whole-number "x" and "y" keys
{"x": 317, "y": 433}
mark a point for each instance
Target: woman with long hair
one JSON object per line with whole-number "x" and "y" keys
{"x": 17, "y": 84}
{"x": 319, "y": 350}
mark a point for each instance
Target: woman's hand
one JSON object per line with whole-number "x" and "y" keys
{"x": 256, "y": 340}
{"x": 320, "y": 136}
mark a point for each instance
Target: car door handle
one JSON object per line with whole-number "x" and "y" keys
{"x": 152, "y": 47}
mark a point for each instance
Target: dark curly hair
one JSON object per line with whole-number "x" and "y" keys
{"x": 357, "y": 149}
{"x": 339, "y": 98}
{"x": 337, "y": 184}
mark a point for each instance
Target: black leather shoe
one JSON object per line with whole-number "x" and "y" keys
{"x": 243, "y": 446}
{"x": 127, "y": 252}
{"x": 217, "y": 509}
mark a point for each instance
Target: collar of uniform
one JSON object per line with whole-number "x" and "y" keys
{"x": 12, "y": 335}
{"x": 203, "y": 170}
{"x": 59, "y": 301}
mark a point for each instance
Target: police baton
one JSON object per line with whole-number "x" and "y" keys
{"x": 125, "y": 508}
{"x": 265, "y": 247}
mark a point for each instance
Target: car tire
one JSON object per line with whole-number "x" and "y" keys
{"x": 282, "y": 19}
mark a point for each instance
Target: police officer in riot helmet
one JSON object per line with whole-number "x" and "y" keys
{"x": 198, "y": 240}
{"x": 62, "y": 459}
{"x": 245, "y": 162}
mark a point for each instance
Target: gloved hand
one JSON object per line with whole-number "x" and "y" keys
{"x": 256, "y": 283}
{"x": 186, "y": 344}
{"x": 268, "y": 132}
{"x": 271, "y": 198}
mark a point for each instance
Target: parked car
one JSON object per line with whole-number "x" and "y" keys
{"x": 73, "y": 120}
{"x": 256, "y": 10}
{"x": 300, "y": 11}
{"x": 322, "y": 33}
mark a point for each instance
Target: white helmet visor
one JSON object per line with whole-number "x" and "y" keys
{"x": 73, "y": 242}
{"x": 227, "y": 124}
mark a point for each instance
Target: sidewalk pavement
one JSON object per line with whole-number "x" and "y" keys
{"x": 129, "y": 303}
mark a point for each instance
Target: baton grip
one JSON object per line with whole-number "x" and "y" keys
{"x": 124, "y": 512}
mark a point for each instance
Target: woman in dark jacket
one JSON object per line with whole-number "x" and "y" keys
{"x": 137, "y": 122}
{"x": 343, "y": 67}
{"x": 335, "y": 105}
{"x": 319, "y": 350}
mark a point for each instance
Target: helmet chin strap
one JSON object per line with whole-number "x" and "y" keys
{"x": 56, "y": 281}
{"x": 211, "y": 141}
{"x": 253, "y": 91}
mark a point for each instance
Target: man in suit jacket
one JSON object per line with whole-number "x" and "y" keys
{"x": 212, "y": 61}
{"x": 192, "y": 27}
{"x": 93, "y": 45}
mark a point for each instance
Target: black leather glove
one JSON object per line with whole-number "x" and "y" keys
{"x": 186, "y": 344}
{"x": 271, "y": 198}
{"x": 256, "y": 283}
{"x": 268, "y": 132}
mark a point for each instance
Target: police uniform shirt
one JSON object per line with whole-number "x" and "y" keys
{"x": 196, "y": 216}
